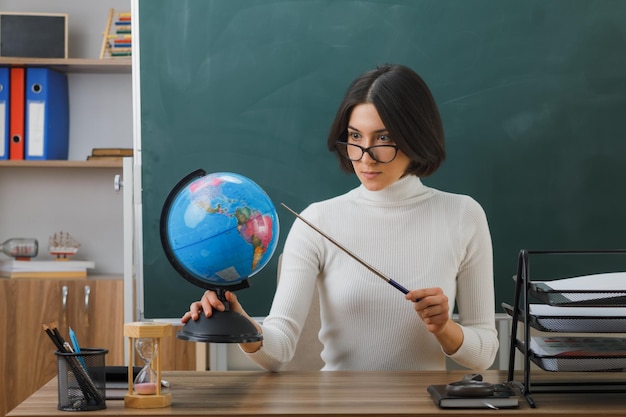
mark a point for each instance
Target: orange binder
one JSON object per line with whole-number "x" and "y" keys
{"x": 17, "y": 92}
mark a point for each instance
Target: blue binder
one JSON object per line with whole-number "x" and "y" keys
{"x": 47, "y": 114}
{"x": 4, "y": 113}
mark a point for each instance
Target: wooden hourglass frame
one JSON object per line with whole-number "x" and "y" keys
{"x": 154, "y": 331}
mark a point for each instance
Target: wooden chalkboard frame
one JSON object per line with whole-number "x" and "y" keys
{"x": 532, "y": 96}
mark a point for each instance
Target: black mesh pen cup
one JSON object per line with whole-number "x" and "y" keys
{"x": 81, "y": 378}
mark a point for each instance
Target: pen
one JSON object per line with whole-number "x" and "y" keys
{"x": 76, "y": 347}
{"x": 86, "y": 385}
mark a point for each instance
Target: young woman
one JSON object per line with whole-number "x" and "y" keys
{"x": 389, "y": 133}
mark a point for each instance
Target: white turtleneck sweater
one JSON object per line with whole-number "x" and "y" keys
{"x": 419, "y": 237}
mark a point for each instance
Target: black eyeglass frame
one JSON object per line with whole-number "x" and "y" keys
{"x": 368, "y": 150}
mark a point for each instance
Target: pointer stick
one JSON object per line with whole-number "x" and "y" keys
{"x": 356, "y": 258}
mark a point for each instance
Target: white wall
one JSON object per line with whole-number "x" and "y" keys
{"x": 87, "y": 20}
{"x": 38, "y": 202}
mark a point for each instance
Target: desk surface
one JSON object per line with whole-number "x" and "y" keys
{"x": 254, "y": 393}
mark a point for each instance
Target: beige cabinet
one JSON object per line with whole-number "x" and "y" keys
{"x": 92, "y": 307}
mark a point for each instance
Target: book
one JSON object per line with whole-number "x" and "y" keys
{"x": 12, "y": 268}
{"x": 499, "y": 399}
{"x": 104, "y": 158}
{"x": 116, "y": 381}
{"x": 112, "y": 152}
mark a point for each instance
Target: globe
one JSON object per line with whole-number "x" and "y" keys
{"x": 219, "y": 229}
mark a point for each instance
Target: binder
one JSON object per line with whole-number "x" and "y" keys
{"x": 47, "y": 114}
{"x": 4, "y": 113}
{"x": 16, "y": 112}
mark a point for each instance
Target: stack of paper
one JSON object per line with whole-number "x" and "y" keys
{"x": 580, "y": 353}
{"x": 11, "y": 268}
{"x": 579, "y": 320}
{"x": 589, "y": 288}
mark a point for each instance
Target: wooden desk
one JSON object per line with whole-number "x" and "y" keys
{"x": 254, "y": 393}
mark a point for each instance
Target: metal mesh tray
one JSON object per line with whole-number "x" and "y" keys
{"x": 578, "y": 320}
{"x": 598, "y": 290}
{"x": 578, "y": 354}
{"x": 584, "y": 364}
{"x": 573, "y": 320}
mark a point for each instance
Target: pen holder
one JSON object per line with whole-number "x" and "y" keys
{"x": 81, "y": 378}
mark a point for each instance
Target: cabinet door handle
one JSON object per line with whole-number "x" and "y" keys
{"x": 87, "y": 293}
{"x": 64, "y": 291}
{"x": 117, "y": 182}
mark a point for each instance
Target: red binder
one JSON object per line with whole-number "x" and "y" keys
{"x": 17, "y": 105}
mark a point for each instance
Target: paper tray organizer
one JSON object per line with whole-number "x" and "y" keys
{"x": 580, "y": 364}
{"x": 603, "y": 320}
{"x": 581, "y": 297}
{"x": 562, "y": 299}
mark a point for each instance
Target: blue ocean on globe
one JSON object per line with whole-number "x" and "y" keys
{"x": 222, "y": 228}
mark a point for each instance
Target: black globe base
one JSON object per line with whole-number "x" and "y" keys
{"x": 222, "y": 327}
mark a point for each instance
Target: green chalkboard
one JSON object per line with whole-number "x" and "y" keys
{"x": 532, "y": 94}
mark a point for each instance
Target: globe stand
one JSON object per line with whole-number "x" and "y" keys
{"x": 222, "y": 327}
{"x": 260, "y": 231}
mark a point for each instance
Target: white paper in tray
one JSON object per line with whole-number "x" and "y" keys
{"x": 580, "y": 354}
{"x": 583, "y": 365}
{"x": 580, "y": 319}
{"x": 613, "y": 281}
{"x": 552, "y": 311}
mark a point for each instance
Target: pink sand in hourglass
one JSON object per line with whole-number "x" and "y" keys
{"x": 146, "y": 388}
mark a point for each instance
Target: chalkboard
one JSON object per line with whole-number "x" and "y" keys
{"x": 33, "y": 35}
{"x": 532, "y": 95}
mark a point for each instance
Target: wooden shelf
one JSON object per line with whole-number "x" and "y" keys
{"x": 71, "y": 65}
{"x": 94, "y": 277}
{"x": 60, "y": 164}
{"x": 74, "y": 65}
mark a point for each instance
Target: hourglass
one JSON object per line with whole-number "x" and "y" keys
{"x": 145, "y": 382}
{"x": 144, "y": 340}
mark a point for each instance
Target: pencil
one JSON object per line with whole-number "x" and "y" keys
{"x": 52, "y": 337}
{"x": 86, "y": 385}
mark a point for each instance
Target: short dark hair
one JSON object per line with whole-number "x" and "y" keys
{"x": 407, "y": 108}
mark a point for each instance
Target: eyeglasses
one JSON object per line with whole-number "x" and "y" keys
{"x": 379, "y": 153}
